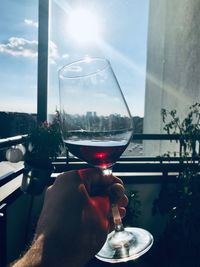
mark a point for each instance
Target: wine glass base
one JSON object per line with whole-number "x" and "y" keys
{"x": 143, "y": 241}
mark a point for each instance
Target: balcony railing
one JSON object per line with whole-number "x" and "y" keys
{"x": 126, "y": 165}
{"x": 132, "y": 170}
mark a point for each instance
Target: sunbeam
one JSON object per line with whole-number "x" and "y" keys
{"x": 112, "y": 51}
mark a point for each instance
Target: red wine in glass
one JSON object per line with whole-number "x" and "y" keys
{"x": 99, "y": 154}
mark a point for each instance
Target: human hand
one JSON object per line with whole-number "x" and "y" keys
{"x": 76, "y": 216}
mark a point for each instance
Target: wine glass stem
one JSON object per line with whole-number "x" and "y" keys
{"x": 117, "y": 218}
{"x": 115, "y": 210}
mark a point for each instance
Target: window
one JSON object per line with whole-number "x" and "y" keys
{"x": 116, "y": 30}
{"x": 18, "y": 71}
{"x": 18, "y": 64}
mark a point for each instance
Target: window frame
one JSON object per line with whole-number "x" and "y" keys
{"x": 42, "y": 74}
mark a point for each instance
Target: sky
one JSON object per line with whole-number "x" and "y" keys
{"x": 117, "y": 30}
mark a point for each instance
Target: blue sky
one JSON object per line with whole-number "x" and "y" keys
{"x": 18, "y": 55}
{"x": 123, "y": 38}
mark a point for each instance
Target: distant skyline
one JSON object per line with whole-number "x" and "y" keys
{"x": 123, "y": 40}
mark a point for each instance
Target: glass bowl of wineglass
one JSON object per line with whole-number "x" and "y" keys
{"x": 97, "y": 127}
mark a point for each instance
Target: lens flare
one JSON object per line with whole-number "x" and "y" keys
{"x": 84, "y": 26}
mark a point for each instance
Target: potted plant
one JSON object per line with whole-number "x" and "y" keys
{"x": 44, "y": 145}
{"x": 179, "y": 244}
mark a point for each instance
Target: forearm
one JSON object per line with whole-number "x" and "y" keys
{"x": 40, "y": 255}
{"x": 33, "y": 257}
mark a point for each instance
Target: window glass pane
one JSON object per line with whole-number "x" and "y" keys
{"x": 18, "y": 74}
{"x": 114, "y": 29}
{"x": 18, "y": 64}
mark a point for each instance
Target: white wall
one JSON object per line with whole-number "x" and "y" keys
{"x": 173, "y": 64}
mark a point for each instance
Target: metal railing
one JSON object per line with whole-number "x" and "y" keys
{"x": 131, "y": 165}
{"x": 132, "y": 170}
{"x": 13, "y": 141}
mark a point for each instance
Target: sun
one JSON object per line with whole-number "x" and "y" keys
{"x": 84, "y": 26}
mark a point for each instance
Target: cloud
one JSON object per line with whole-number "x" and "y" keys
{"x": 19, "y": 47}
{"x": 30, "y": 22}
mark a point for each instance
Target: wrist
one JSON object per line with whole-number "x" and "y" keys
{"x": 44, "y": 253}
{"x": 55, "y": 253}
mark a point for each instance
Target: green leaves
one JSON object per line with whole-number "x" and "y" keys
{"x": 180, "y": 200}
{"x": 188, "y": 128}
{"x": 46, "y": 139}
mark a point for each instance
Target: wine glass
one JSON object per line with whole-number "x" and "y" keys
{"x": 97, "y": 127}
